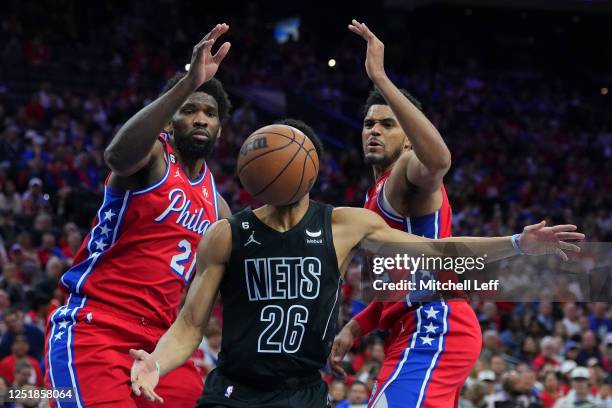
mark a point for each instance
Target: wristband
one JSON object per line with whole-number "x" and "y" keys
{"x": 516, "y": 245}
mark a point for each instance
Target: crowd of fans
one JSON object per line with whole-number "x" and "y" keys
{"x": 525, "y": 148}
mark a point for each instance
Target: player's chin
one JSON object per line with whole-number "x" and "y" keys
{"x": 374, "y": 158}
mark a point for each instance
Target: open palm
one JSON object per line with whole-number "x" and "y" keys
{"x": 538, "y": 239}
{"x": 204, "y": 64}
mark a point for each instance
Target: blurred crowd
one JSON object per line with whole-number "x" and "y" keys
{"x": 524, "y": 147}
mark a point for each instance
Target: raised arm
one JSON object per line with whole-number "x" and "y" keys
{"x": 429, "y": 159}
{"x": 134, "y": 145}
{"x": 185, "y": 334}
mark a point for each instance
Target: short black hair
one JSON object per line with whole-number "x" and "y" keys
{"x": 376, "y": 98}
{"x": 212, "y": 87}
{"x": 305, "y": 129}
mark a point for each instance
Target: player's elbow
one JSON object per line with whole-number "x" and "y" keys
{"x": 442, "y": 163}
{"x": 118, "y": 165}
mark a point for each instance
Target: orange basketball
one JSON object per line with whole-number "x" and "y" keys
{"x": 278, "y": 164}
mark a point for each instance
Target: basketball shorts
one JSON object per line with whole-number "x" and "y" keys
{"x": 222, "y": 392}
{"x": 429, "y": 355}
{"x": 87, "y": 351}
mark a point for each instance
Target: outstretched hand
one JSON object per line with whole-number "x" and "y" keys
{"x": 204, "y": 64}
{"x": 375, "y": 54}
{"x": 144, "y": 375}
{"x": 342, "y": 344}
{"x": 538, "y": 239}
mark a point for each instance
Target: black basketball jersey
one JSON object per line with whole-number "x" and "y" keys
{"x": 280, "y": 297}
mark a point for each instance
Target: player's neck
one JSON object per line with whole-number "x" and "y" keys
{"x": 283, "y": 218}
{"x": 380, "y": 170}
{"x": 191, "y": 166}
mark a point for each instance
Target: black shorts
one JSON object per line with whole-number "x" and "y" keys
{"x": 222, "y": 392}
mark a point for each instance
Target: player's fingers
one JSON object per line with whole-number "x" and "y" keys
{"x": 570, "y": 235}
{"x": 535, "y": 226}
{"x": 135, "y": 389}
{"x": 206, "y": 46}
{"x": 566, "y": 246}
{"x": 207, "y": 36}
{"x": 561, "y": 254}
{"x": 148, "y": 393}
{"x": 218, "y": 31}
{"x": 221, "y": 53}
{"x": 564, "y": 227}
{"x": 357, "y": 31}
{"x": 338, "y": 370}
{"x": 138, "y": 354}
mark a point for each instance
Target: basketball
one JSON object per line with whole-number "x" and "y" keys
{"x": 278, "y": 164}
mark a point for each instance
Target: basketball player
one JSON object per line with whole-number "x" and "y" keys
{"x": 409, "y": 159}
{"x": 279, "y": 269}
{"x": 130, "y": 273}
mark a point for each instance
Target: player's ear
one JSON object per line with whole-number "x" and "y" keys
{"x": 219, "y": 132}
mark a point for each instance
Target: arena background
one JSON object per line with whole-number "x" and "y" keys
{"x": 520, "y": 91}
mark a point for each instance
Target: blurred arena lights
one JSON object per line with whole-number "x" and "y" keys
{"x": 331, "y": 63}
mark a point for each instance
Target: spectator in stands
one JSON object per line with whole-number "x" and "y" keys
{"x": 580, "y": 395}
{"x": 547, "y": 354}
{"x": 474, "y": 396}
{"x": 570, "y": 319}
{"x": 599, "y": 322}
{"x": 337, "y": 392}
{"x": 15, "y": 327}
{"x": 588, "y": 348}
{"x": 19, "y": 351}
{"x": 11, "y": 284}
{"x": 551, "y": 392}
{"x": 10, "y": 200}
{"x": 515, "y": 393}
{"x": 34, "y": 201}
{"x": 488, "y": 379}
{"x": 357, "y": 397}
{"x": 48, "y": 248}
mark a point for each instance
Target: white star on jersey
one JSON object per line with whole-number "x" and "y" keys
{"x": 431, "y": 328}
{"x": 105, "y": 230}
{"x": 64, "y": 312}
{"x": 109, "y": 214}
{"x": 427, "y": 340}
{"x": 58, "y": 336}
{"x": 100, "y": 245}
{"x": 63, "y": 324}
{"x": 431, "y": 313}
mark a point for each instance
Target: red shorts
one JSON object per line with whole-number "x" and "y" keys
{"x": 87, "y": 351}
{"x": 430, "y": 354}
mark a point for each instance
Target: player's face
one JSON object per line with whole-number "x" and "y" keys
{"x": 382, "y": 137}
{"x": 196, "y": 125}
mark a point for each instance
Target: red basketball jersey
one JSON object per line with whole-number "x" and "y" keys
{"x": 435, "y": 225}
{"x": 384, "y": 314}
{"x": 141, "y": 251}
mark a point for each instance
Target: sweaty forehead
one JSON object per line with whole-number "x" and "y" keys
{"x": 202, "y": 100}
{"x": 380, "y": 112}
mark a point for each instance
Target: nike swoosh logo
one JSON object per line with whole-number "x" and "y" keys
{"x": 313, "y": 234}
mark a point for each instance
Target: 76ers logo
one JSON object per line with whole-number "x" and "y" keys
{"x": 205, "y": 192}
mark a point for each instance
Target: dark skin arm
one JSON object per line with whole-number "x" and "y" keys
{"x": 422, "y": 168}
{"x": 135, "y": 151}
{"x": 224, "y": 209}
